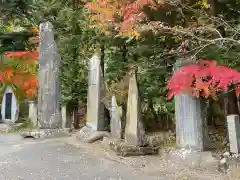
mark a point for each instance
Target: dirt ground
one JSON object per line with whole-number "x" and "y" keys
{"x": 157, "y": 166}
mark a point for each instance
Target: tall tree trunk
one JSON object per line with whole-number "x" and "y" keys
{"x": 124, "y": 104}
{"x": 102, "y": 55}
{"x": 207, "y": 144}
{"x": 124, "y": 118}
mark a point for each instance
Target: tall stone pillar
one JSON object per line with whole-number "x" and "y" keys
{"x": 134, "y": 130}
{"x": 49, "y": 113}
{"x": 95, "y": 124}
{"x": 189, "y": 122}
{"x": 116, "y": 128}
{"x": 95, "y": 106}
{"x": 48, "y": 106}
{"x": 234, "y": 133}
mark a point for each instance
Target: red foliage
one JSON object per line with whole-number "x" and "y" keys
{"x": 22, "y": 55}
{"x": 205, "y": 79}
{"x": 22, "y": 78}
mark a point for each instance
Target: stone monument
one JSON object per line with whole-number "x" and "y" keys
{"x": 135, "y": 140}
{"x": 134, "y": 130}
{"x": 32, "y": 113}
{"x": 49, "y": 113}
{"x": 10, "y": 106}
{"x": 191, "y": 130}
{"x": 234, "y": 133}
{"x": 116, "y": 130}
{"x": 190, "y": 123}
{"x": 95, "y": 124}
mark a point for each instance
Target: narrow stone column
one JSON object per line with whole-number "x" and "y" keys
{"x": 134, "y": 130}
{"x": 234, "y": 133}
{"x": 189, "y": 122}
{"x": 64, "y": 116}
{"x": 95, "y": 124}
{"x": 116, "y": 129}
{"x": 32, "y": 113}
{"x": 95, "y": 108}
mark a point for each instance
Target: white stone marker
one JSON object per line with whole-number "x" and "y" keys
{"x": 10, "y": 106}
{"x": 32, "y": 113}
{"x": 233, "y": 133}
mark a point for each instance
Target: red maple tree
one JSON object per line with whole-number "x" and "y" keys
{"x": 205, "y": 79}
{"x": 23, "y": 55}
{"x": 21, "y": 73}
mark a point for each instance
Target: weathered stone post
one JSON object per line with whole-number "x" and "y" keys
{"x": 48, "y": 106}
{"x": 135, "y": 142}
{"x": 189, "y": 122}
{"x": 134, "y": 130}
{"x": 32, "y": 113}
{"x": 64, "y": 116}
{"x": 191, "y": 130}
{"x": 234, "y": 133}
{"x": 95, "y": 124}
{"x": 95, "y": 108}
{"x": 116, "y": 130}
{"x": 49, "y": 114}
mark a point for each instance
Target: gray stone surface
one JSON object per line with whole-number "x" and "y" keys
{"x": 49, "y": 114}
{"x": 97, "y": 135}
{"x": 89, "y": 135}
{"x": 32, "y": 113}
{"x": 116, "y": 128}
{"x": 134, "y": 130}
{"x": 234, "y": 133}
{"x": 189, "y": 122}
{"x": 64, "y": 116}
{"x": 123, "y": 149}
{"x": 96, "y": 89}
{"x": 95, "y": 107}
{"x": 46, "y": 133}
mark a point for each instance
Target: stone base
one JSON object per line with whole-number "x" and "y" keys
{"x": 8, "y": 127}
{"x": 123, "y": 149}
{"x": 192, "y": 158}
{"x": 46, "y": 133}
{"x": 89, "y": 135}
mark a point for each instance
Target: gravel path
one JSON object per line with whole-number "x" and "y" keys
{"x": 53, "y": 159}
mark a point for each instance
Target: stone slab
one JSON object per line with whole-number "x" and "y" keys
{"x": 123, "y": 149}
{"x": 46, "y": 133}
{"x": 89, "y": 135}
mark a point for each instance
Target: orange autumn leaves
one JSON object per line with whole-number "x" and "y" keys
{"x": 123, "y": 15}
{"x": 22, "y": 73}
